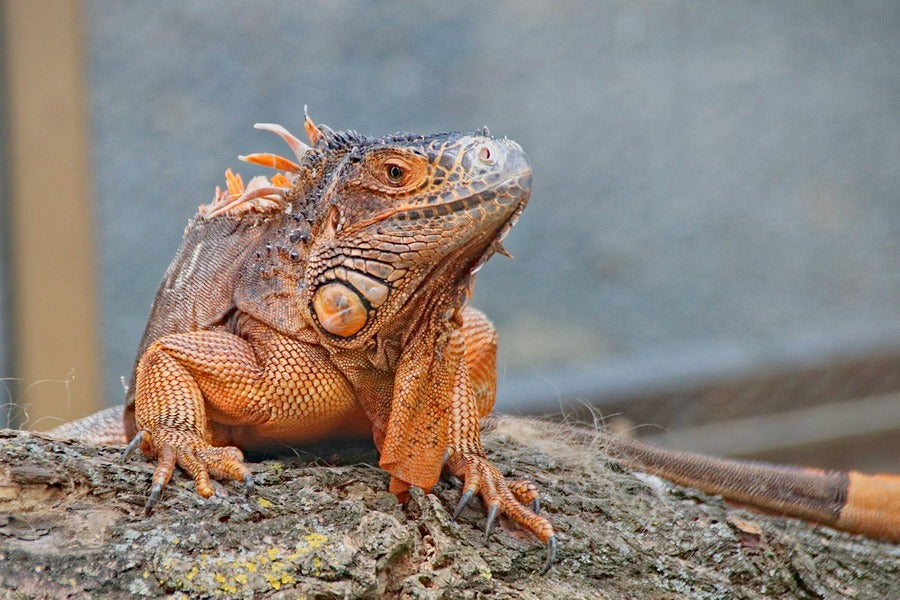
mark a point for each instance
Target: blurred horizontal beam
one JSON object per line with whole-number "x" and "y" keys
{"x": 687, "y": 387}
{"x": 829, "y": 400}
{"x": 783, "y": 432}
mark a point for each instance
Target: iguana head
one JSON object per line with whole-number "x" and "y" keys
{"x": 395, "y": 223}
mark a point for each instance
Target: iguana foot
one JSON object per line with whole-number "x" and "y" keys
{"x": 481, "y": 477}
{"x": 199, "y": 459}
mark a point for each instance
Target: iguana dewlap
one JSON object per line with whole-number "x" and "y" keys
{"x": 331, "y": 301}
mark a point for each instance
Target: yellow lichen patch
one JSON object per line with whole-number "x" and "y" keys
{"x": 229, "y": 589}
{"x": 231, "y": 575}
{"x": 263, "y": 503}
{"x": 315, "y": 540}
{"x": 277, "y": 467}
{"x": 485, "y": 573}
{"x": 274, "y": 582}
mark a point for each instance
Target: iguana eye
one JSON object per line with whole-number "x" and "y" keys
{"x": 395, "y": 173}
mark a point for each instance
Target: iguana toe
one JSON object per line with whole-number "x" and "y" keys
{"x": 526, "y": 493}
{"x": 481, "y": 477}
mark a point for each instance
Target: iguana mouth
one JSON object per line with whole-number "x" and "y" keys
{"x": 457, "y": 205}
{"x": 494, "y": 244}
{"x": 464, "y": 260}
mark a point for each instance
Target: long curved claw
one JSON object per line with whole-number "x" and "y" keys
{"x": 536, "y": 506}
{"x": 297, "y": 147}
{"x": 491, "y": 518}
{"x": 551, "y": 554}
{"x": 153, "y": 498}
{"x": 249, "y": 486}
{"x": 464, "y": 499}
{"x": 133, "y": 444}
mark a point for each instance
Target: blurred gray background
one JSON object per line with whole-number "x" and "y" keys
{"x": 716, "y": 184}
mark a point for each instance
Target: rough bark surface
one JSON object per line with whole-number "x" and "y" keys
{"x": 324, "y": 526}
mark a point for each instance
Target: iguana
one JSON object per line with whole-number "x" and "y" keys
{"x": 331, "y": 301}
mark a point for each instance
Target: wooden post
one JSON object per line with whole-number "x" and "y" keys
{"x": 52, "y": 283}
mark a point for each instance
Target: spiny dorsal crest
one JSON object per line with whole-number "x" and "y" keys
{"x": 264, "y": 195}
{"x": 302, "y": 178}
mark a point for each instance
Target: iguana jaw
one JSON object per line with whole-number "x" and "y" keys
{"x": 497, "y": 244}
{"x": 450, "y": 240}
{"x": 492, "y": 185}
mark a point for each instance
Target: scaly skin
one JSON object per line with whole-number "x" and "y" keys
{"x": 847, "y": 500}
{"x": 330, "y": 301}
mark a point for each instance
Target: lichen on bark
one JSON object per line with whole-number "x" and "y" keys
{"x": 323, "y": 525}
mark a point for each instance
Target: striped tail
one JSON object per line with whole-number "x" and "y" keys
{"x": 851, "y": 501}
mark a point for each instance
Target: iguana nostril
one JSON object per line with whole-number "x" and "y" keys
{"x": 485, "y": 156}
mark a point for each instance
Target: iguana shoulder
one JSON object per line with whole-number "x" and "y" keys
{"x": 197, "y": 291}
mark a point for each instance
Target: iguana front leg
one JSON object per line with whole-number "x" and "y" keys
{"x": 468, "y": 460}
{"x": 435, "y": 414}
{"x": 173, "y": 428}
{"x": 481, "y": 363}
{"x": 192, "y": 387}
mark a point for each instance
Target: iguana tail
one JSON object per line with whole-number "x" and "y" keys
{"x": 105, "y": 427}
{"x": 847, "y": 500}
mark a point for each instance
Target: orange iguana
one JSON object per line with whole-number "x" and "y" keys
{"x": 331, "y": 301}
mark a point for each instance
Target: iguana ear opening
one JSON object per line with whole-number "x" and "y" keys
{"x": 329, "y": 226}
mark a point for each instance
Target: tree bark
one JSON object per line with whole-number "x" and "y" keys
{"x": 323, "y": 525}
